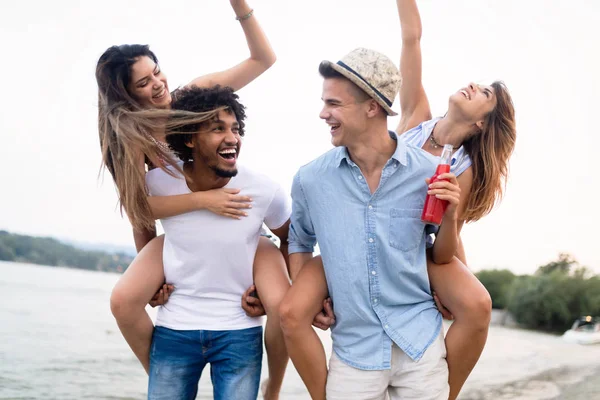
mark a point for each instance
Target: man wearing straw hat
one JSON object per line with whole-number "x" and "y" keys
{"x": 361, "y": 202}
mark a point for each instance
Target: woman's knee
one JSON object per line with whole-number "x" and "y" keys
{"x": 121, "y": 304}
{"x": 288, "y": 315}
{"x": 477, "y": 309}
{"x": 126, "y": 301}
{"x": 292, "y": 315}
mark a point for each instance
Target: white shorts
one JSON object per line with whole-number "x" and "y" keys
{"x": 426, "y": 379}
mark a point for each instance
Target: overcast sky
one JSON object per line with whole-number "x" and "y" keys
{"x": 545, "y": 51}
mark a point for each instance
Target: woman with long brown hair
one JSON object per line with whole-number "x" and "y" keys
{"x": 480, "y": 125}
{"x": 134, "y": 116}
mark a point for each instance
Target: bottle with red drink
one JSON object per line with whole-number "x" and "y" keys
{"x": 434, "y": 208}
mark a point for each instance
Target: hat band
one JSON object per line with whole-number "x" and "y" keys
{"x": 385, "y": 99}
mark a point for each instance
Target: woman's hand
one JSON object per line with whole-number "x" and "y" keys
{"x": 446, "y": 188}
{"x": 226, "y": 202}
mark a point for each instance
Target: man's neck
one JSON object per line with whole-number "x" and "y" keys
{"x": 202, "y": 177}
{"x": 373, "y": 150}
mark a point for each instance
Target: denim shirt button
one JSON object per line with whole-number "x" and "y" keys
{"x": 371, "y": 240}
{"x": 374, "y": 273}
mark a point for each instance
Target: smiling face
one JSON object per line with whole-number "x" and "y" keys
{"x": 473, "y": 103}
{"x": 217, "y": 144}
{"x": 148, "y": 85}
{"x": 345, "y": 110}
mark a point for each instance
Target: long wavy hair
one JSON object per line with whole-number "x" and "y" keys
{"x": 490, "y": 151}
{"x": 126, "y": 131}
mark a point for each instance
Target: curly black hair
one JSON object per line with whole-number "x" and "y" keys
{"x": 198, "y": 100}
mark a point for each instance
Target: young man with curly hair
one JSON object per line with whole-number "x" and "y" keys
{"x": 209, "y": 259}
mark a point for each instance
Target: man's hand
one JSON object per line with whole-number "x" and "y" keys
{"x": 251, "y": 303}
{"x": 162, "y": 295}
{"x": 446, "y": 314}
{"x": 325, "y": 318}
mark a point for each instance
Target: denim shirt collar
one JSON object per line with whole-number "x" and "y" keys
{"x": 399, "y": 154}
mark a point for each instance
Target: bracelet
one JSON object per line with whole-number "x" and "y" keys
{"x": 245, "y": 17}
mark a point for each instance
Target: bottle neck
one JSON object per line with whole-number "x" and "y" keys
{"x": 446, "y": 154}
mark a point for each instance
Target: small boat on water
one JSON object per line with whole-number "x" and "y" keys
{"x": 586, "y": 330}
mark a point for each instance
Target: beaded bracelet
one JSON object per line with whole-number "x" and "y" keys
{"x": 245, "y": 17}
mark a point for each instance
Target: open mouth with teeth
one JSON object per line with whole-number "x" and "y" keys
{"x": 466, "y": 94}
{"x": 160, "y": 94}
{"x": 334, "y": 128}
{"x": 229, "y": 155}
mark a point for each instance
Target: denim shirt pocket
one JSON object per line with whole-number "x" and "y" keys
{"x": 406, "y": 228}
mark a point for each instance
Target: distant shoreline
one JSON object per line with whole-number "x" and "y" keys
{"x": 25, "y": 263}
{"x": 51, "y": 252}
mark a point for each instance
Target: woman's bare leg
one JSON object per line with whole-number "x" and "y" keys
{"x": 132, "y": 292}
{"x": 303, "y": 301}
{"x": 468, "y": 300}
{"x": 272, "y": 283}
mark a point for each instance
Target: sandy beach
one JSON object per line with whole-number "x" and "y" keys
{"x": 521, "y": 364}
{"x": 516, "y": 364}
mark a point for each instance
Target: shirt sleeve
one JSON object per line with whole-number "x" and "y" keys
{"x": 463, "y": 162}
{"x": 302, "y": 238}
{"x": 279, "y": 210}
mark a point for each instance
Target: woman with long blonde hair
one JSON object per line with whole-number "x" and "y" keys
{"x": 134, "y": 116}
{"x": 480, "y": 125}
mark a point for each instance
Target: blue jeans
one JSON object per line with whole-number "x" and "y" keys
{"x": 177, "y": 359}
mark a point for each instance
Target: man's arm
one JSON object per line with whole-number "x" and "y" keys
{"x": 282, "y": 233}
{"x": 143, "y": 237}
{"x": 297, "y": 261}
{"x": 302, "y": 238}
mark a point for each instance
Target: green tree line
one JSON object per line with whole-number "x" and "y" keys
{"x": 49, "y": 251}
{"x": 551, "y": 299}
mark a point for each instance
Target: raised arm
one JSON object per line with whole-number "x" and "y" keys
{"x": 413, "y": 100}
{"x": 261, "y": 53}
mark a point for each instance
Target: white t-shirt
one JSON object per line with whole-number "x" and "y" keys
{"x": 208, "y": 258}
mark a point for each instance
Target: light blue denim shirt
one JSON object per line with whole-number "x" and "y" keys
{"x": 373, "y": 249}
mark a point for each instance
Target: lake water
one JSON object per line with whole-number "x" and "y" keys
{"x": 58, "y": 339}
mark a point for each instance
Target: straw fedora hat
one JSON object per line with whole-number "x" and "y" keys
{"x": 373, "y": 72}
